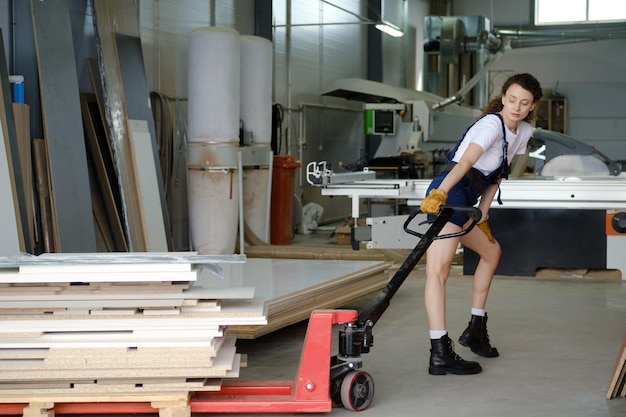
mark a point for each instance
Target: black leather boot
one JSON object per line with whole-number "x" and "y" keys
{"x": 476, "y": 338}
{"x": 444, "y": 361}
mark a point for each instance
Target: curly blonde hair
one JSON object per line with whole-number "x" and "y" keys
{"x": 527, "y": 82}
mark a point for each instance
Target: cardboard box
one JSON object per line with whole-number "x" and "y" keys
{"x": 343, "y": 234}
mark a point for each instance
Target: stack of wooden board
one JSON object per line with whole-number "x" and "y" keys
{"x": 117, "y": 327}
{"x": 617, "y": 387}
{"x": 293, "y": 288}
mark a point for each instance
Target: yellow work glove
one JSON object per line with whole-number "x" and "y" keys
{"x": 431, "y": 204}
{"x": 484, "y": 226}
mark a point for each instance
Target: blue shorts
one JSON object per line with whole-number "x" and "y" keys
{"x": 463, "y": 194}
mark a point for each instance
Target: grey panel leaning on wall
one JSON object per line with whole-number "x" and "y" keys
{"x": 72, "y": 209}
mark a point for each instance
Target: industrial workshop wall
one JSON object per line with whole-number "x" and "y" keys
{"x": 316, "y": 43}
{"x": 589, "y": 74}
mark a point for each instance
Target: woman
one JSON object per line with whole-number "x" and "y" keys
{"x": 476, "y": 166}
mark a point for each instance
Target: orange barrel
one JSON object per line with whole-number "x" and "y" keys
{"x": 283, "y": 188}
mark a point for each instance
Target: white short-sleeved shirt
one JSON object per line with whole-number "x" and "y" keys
{"x": 487, "y": 133}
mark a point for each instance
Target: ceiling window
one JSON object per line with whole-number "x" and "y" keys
{"x": 572, "y": 12}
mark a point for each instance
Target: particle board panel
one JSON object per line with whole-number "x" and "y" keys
{"x": 95, "y": 306}
{"x": 232, "y": 312}
{"x": 111, "y": 17}
{"x": 94, "y": 353}
{"x": 55, "y": 396}
{"x": 225, "y": 361}
{"x": 72, "y": 209}
{"x": 85, "y": 361}
{"x": 195, "y": 293}
{"x": 147, "y": 174}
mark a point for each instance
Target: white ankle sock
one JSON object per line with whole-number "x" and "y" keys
{"x": 478, "y": 312}
{"x": 438, "y": 334}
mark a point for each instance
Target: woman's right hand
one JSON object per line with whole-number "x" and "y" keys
{"x": 433, "y": 202}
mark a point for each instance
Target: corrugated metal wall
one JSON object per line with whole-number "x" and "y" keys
{"x": 315, "y": 43}
{"x": 165, "y": 28}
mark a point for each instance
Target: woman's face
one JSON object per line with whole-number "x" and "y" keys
{"x": 517, "y": 103}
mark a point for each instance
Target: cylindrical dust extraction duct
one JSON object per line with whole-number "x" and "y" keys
{"x": 213, "y": 139}
{"x": 256, "y": 116}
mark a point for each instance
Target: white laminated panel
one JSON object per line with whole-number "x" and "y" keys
{"x": 8, "y": 276}
{"x": 9, "y": 242}
{"x": 147, "y": 186}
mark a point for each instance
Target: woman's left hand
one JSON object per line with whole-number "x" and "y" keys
{"x": 484, "y": 226}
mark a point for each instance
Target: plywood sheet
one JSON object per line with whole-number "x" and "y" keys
{"x": 43, "y": 192}
{"x": 137, "y": 96}
{"x": 21, "y": 111}
{"x": 111, "y": 17}
{"x": 99, "y": 150}
{"x": 618, "y": 378}
{"x": 72, "y": 210}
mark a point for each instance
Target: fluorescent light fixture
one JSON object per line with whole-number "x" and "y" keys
{"x": 389, "y": 29}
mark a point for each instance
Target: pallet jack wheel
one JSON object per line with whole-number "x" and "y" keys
{"x": 357, "y": 390}
{"x": 335, "y": 392}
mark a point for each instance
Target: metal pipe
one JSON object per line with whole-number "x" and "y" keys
{"x": 268, "y": 200}
{"x": 241, "y": 203}
{"x": 529, "y": 43}
{"x": 592, "y": 35}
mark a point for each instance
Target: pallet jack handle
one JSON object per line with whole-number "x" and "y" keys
{"x": 354, "y": 389}
{"x": 375, "y": 309}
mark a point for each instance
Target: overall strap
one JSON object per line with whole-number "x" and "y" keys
{"x": 500, "y": 172}
{"x": 504, "y": 166}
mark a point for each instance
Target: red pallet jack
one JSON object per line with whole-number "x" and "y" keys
{"x": 322, "y": 381}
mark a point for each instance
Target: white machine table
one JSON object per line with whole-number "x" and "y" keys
{"x": 564, "y": 222}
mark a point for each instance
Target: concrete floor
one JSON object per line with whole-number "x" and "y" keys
{"x": 558, "y": 339}
{"x": 558, "y": 343}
